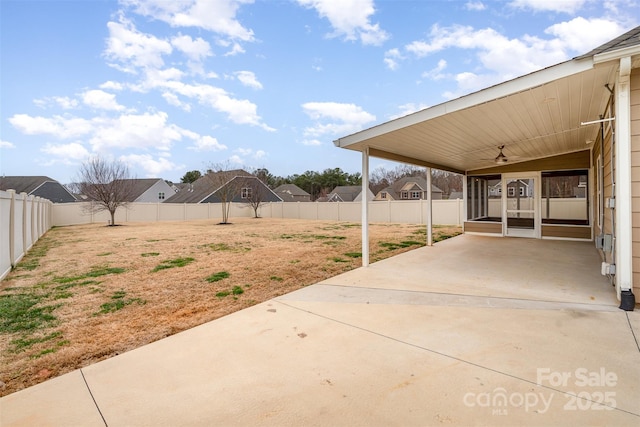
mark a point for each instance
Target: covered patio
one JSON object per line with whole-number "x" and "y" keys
{"x": 546, "y": 155}
{"x": 461, "y": 333}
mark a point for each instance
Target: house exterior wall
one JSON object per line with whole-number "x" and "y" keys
{"x": 635, "y": 177}
{"x": 151, "y": 195}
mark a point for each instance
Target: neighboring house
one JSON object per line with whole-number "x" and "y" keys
{"x": 455, "y": 195}
{"x": 150, "y": 190}
{"x": 41, "y": 186}
{"x": 292, "y": 193}
{"x": 554, "y": 124}
{"x": 347, "y": 193}
{"x": 203, "y": 191}
{"x": 409, "y": 188}
{"x": 519, "y": 188}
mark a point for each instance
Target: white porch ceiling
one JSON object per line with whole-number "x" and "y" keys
{"x": 535, "y": 116}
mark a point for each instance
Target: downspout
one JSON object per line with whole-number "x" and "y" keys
{"x": 623, "y": 238}
{"x": 365, "y": 207}
{"x": 601, "y": 181}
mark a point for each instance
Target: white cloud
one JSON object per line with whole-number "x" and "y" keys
{"x": 311, "y": 142}
{"x": 391, "y": 58}
{"x": 475, "y": 5}
{"x": 240, "y": 111}
{"x": 101, "y": 100}
{"x": 66, "y": 153}
{"x": 153, "y": 167}
{"x": 506, "y": 58}
{"x": 349, "y": 18}
{"x": 128, "y": 49}
{"x": 580, "y": 35}
{"x": 155, "y": 78}
{"x": 436, "y": 72}
{"x": 248, "y": 78}
{"x": 565, "y": 6}
{"x": 111, "y": 85}
{"x": 63, "y": 102}
{"x": 194, "y": 49}
{"x": 6, "y": 144}
{"x": 58, "y": 126}
{"x": 217, "y": 16}
{"x": 172, "y": 99}
{"x": 207, "y": 143}
{"x": 126, "y": 131}
{"x": 334, "y": 118}
{"x": 141, "y": 131}
{"x": 235, "y": 50}
{"x": 249, "y": 152}
{"x": 236, "y": 159}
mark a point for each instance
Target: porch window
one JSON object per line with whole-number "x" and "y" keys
{"x": 484, "y": 200}
{"x": 565, "y": 197}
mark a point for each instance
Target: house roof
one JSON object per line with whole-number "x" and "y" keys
{"x": 346, "y": 193}
{"x": 419, "y": 180}
{"x": 41, "y": 186}
{"x": 23, "y": 184}
{"x": 537, "y": 115}
{"x": 399, "y": 185}
{"x": 291, "y": 192}
{"x": 139, "y": 186}
{"x": 292, "y": 189}
{"x": 203, "y": 187}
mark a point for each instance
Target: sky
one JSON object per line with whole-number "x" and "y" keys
{"x": 170, "y": 86}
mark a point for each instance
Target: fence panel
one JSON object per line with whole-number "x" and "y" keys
{"x": 5, "y": 231}
{"x": 30, "y": 233}
{"x": 23, "y": 219}
{"x": 445, "y": 212}
{"x": 18, "y": 227}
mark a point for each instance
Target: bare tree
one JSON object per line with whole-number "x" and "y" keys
{"x": 226, "y": 184}
{"x": 107, "y": 185}
{"x": 254, "y": 193}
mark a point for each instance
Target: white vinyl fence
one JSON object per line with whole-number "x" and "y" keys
{"x": 23, "y": 220}
{"x": 445, "y": 212}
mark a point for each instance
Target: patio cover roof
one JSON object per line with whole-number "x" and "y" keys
{"x": 534, "y": 116}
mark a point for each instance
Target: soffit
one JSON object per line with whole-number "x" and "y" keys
{"x": 536, "y": 116}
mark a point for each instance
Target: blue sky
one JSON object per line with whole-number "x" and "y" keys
{"x": 173, "y": 86}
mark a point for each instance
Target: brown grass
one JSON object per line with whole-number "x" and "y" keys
{"x": 264, "y": 257}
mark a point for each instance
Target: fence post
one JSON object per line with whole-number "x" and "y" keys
{"x": 12, "y": 214}
{"x": 24, "y": 222}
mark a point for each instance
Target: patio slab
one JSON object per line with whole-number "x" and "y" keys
{"x": 366, "y": 349}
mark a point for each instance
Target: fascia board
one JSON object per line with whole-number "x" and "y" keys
{"x": 616, "y": 54}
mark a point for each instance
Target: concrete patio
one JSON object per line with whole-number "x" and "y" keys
{"x": 472, "y": 331}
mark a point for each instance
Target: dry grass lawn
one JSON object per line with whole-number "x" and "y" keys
{"x": 86, "y": 293}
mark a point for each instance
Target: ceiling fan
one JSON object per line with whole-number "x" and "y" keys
{"x": 501, "y": 158}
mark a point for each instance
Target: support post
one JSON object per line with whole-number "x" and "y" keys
{"x": 365, "y": 207}
{"x": 429, "y": 210}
